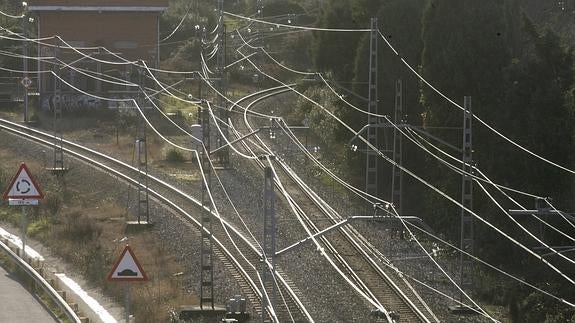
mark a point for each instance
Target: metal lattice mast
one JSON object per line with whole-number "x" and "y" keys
{"x": 260, "y": 8}
{"x": 57, "y": 120}
{"x": 269, "y": 243}
{"x": 206, "y": 262}
{"x": 371, "y": 186}
{"x": 224, "y": 154}
{"x": 397, "y": 173}
{"x": 142, "y": 160}
{"x": 466, "y": 265}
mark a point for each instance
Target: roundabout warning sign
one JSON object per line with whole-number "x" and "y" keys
{"x": 23, "y": 186}
{"x": 26, "y": 82}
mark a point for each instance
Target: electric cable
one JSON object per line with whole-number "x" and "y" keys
{"x": 179, "y": 24}
{"x": 20, "y": 16}
{"x": 421, "y": 180}
{"x": 484, "y": 178}
{"x": 294, "y": 26}
{"x": 492, "y": 129}
{"x": 493, "y": 267}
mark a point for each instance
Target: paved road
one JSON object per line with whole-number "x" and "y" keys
{"x": 17, "y": 305}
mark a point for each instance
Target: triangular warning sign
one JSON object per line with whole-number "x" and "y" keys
{"x": 127, "y": 268}
{"x": 23, "y": 186}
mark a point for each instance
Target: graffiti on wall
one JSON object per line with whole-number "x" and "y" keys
{"x": 71, "y": 102}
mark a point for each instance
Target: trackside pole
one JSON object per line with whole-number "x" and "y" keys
{"x": 127, "y": 301}
{"x": 23, "y": 230}
{"x": 127, "y": 269}
{"x": 23, "y": 191}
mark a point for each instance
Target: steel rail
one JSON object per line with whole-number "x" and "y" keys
{"x": 4, "y": 124}
{"x": 360, "y": 284}
{"x": 362, "y": 287}
{"x": 155, "y": 194}
{"x": 276, "y": 90}
{"x": 352, "y": 236}
{"x": 362, "y": 245}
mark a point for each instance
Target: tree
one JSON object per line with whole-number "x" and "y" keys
{"x": 15, "y": 8}
{"x": 521, "y": 82}
{"x": 335, "y": 51}
{"x": 539, "y": 114}
{"x": 466, "y": 45}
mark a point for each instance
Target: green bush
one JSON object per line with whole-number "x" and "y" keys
{"x": 39, "y": 227}
{"x": 175, "y": 156}
{"x": 10, "y": 215}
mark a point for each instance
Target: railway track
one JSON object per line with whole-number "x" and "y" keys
{"x": 239, "y": 253}
{"x": 371, "y": 273}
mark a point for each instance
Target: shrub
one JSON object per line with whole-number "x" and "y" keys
{"x": 39, "y": 227}
{"x": 175, "y": 156}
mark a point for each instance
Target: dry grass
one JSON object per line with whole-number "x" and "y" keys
{"x": 89, "y": 239}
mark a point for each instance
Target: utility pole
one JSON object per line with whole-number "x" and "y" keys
{"x": 269, "y": 243}
{"x": 224, "y": 155}
{"x": 25, "y": 60}
{"x": 371, "y": 185}
{"x": 57, "y": 103}
{"x": 207, "y": 269}
{"x": 99, "y": 71}
{"x": 397, "y": 173}
{"x": 465, "y": 264}
{"x": 142, "y": 158}
{"x": 260, "y": 8}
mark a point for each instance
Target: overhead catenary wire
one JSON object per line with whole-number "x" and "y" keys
{"x": 491, "y": 128}
{"x": 373, "y": 302}
{"x": 295, "y": 209}
{"x": 179, "y": 24}
{"x": 478, "y": 309}
{"x": 294, "y": 26}
{"x": 483, "y": 178}
{"x": 427, "y": 184}
{"x": 341, "y": 97}
{"x": 139, "y": 109}
{"x": 570, "y": 221}
{"x": 425, "y": 81}
{"x": 40, "y": 41}
{"x": 534, "y": 215}
{"x": 363, "y": 111}
{"x": 411, "y": 134}
{"x": 475, "y": 304}
{"x": 487, "y": 264}
{"x": 506, "y": 212}
{"x": 20, "y": 16}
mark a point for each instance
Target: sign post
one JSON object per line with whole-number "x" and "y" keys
{"x": 127, "y": 269}
{"x": 26, "y": 83}
{"x": 23, "y": 191}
